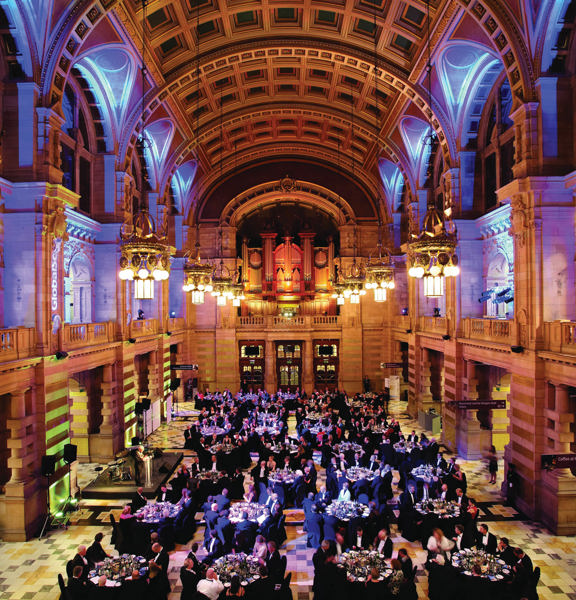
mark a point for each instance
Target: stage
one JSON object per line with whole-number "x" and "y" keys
{"x": 104, "y": 487}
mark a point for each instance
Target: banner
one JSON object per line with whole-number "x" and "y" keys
{"x": 184, "y": 367}
{"x": 391, "y": 365}
{"x": 559, "y": 461}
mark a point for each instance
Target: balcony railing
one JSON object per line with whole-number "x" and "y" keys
{"x": 86, "y": 334}
{"x": 490, "y": 330}
{"x": 176, "y": 324}
{"x": 301, "y": 322}
{"x": 17, "y": 343}
{"x": 139, "y": 328}
{"x": 560, "y": 336}
{"x": 433, "y": 325}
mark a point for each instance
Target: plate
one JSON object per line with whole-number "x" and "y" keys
{"x": 361, "y": 579}
{"x": 506, "y": 571}
{"x": 499, "y": 576}
{"x": 467, "y": 573}
{"x": 227, "y": 584}
{"x": 255, "y": 577}
{"x": 244, "y": 582}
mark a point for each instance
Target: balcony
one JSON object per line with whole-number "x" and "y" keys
{"x": 560, "y": 336}
{"x": 143, "y": 327}
{"x": 176, "y": 324}
{"x": 490, "y": 330}
{"x": 17, "y": 343}
{"x": 86, "y": 334}
{"x": 438, "y": 325}
{"x": 322, "y": 322}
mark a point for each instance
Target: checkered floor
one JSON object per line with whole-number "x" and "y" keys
{"x": 28, "y": 570}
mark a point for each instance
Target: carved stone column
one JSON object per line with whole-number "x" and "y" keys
{"x": 49, "y": 167}
{"x": 105, "y": 444}
{"x": 526, "y": 159}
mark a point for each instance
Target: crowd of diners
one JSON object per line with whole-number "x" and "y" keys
{"x": 359, "y": 445}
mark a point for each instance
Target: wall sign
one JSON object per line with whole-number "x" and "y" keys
{"x": 54, "y": 274}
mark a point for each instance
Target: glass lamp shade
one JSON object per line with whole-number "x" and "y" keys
{"x": 221, "y": 300}
{"x": 379, "y": 294}
{"x": 433, "y": 286}
{"x": 236, "y": 302}
{"x": 144, "y": 289}
{"x": 197, "y": 297}
{"x": 340, "y": 300}
{"x": 354, "y": 299}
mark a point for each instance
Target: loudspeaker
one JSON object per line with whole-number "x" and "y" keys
{"x": 174, "y": 384}
{"x": 61, "y": 354}
{"x": 446, "y": 337}
{"x": 135, "y": 441}
{"x": 517, "y": 349}
{"x": 132, "y": 340}
{"x": 48, "y": 465}
{"x": 138, "y": 408}
{"x": 70, "y": 453}
{"x": 145, "y": 403}
{"x": 195, "y": 382}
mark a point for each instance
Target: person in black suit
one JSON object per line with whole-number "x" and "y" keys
{"x": 210, "y": 518}
{"x": 80, "y": 560}
{"x": 461, "y": 540}
{"x": 361, "y": 540}
{"x": 222, "y": 500}
{"x": 189, "y": 578}
{"x": 214, "y": 548}
{"x": 267, "y": 524}
{"x": 260, "y": 473}
{"x": 95, "y": 553}
{"x": 505, "y": 551}
{"x": 486, "y": 541}
{"x": 77, "y": 585}
{"x": 307, "y": 506}
{"x": 314, "y": 527}
{"x": 274, "y": 562}
{"x": 245, "y": 533}
{"x": 138, "y": 500}
{"x": 371, "y": 461}
{"x": 164, "y": 495}
{"x": 406, "y": 561}
{"x": 161, "y": 559}
{"x": 383, "y": 543}
{"x": 225, "y": 529}
{"x": 323, "y": 497}
{"x": 461, "y": 499}
{"x": 134, "y": 588}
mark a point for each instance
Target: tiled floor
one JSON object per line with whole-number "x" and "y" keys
{"x": 28, "y": 570}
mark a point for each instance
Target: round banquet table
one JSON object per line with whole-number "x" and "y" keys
{"x": 346, "y": 447}
{"x": 437, "y": 513}
{"x": 357, "y": 566}
{"x": 211, "y": 430}
{"x": 211, "y": 483}
{"x": 344, "y": 511}
{"x": 425, "y": 473}
{"x": 354, "y": 474}
{"x": 118, "y": 569}
{"x": 282, "y": 476}
{"x": 244, "y": 565}
{"x": 253, "y": 509}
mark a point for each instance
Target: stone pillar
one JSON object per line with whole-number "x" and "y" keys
{"x": 17, "y": 443}
{"x": 49, "y": 128}
{"x": 425, "y": 399}
{"x": 105, "y": 444}
{"x": 526, "y": 158}
{"x": 472, "y": 440}
{"x": 270, "y": 383}
{"x": 308, "y": 365}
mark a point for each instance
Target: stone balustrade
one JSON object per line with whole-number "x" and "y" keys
{"x": 321, "y": 322}
{"x": 142, "y": 327}
{"x": 491, "y": 330}
{"x": 560, "y": 336}
{"x": 79, "y": 335}
{"x": 433, "y": 325}
{"x": 16, "y": 343}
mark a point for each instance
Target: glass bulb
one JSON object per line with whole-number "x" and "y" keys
{"x": 143, "y": 274}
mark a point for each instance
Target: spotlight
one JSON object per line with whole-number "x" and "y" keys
{"x": 132, "y": 340}
{"x": 61, "y": 354}
{"x": 445, "y": 337}
{"x": 408, "y": 331}
{"x": 168, "y": 333}
{"x": 517, "y": 349}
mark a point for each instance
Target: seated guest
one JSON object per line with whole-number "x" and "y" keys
{"x": 505, "y": 551}
{"x": 267, "y": 523}
{"x": 214, "y": 547}
{"x": 260, "y": 550}
{"x": 192, "y": 556}
{"x": 189, "y": 578}
{"x": 461, "y": 499}
{"x": 138, "y": 500}
{"x": 472, "y": 512}
{"x": 461, "y": 540}
{"x": 95, "y": 553}
{"x": 263, "y": 587}
{"x": 80, "y": 560}
{"x": 374, "y": 585}
{"x": 161, "y": 559}
{"x": 164, "y": 495}
{"x": 371, "y": 461}
{"x": 444, "y": 494}
{"x": 486, "y": 541}
{"x": 323, "y": 497}
{"x": 260, "y": 473}
{"x": 522, "y": 582}
{"x": 235, "y": 590}
{"x": 361, "y": 540}
{"x": 407, "y": 566}
{"x": 158, "y": 585}
{"x": 344, "y": 495}
{"x": 250, "y": 495}
{"x": 222, "y": 500}
{"x": 134, "y": 587}
{"x": 77, "y": 585}
{"x": 101, "y": 590}
{"x": 383, "y": 543}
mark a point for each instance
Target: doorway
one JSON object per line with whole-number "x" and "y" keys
{"x": 289, "y": 366}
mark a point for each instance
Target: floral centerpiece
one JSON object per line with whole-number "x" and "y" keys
{"x": 480, "y": 564}
{"x": 243, "y": 565}
{"x": 253, "y": 510}
{"x": 345, "y": 510}
{"x": 282, "y": 476}
{"x": 359, "y": 563}
{"x": 357, "y": 473}
{"x": 225, "y": 448}
{"x": 212, "y": 476}
{"x": 441, "y": 508}
{"x": 153, "y": 513}
{"x": 350, "y": 446}
{"x": 118, "y": 568}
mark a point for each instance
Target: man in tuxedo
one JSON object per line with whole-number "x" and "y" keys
{"x": 80, "y": 560}
{"x": 486, "y": 541}
{"x": 307, "y": 507}
{"x": 505, "y": 551}
{"x": 210, "y": 518}
{"x": 77, "y": 585}
{"x": 214, "y": 548}
{"x": 323, "y": 497}
{"x": 246, "y": 533}
{"x": 383, "y": 543}
{"x": 371, "y": 461}
{"x": 163, "y": 495}
{"x": 133, "y": 587}
{"x": 440, "y": 462}
{"x": 462, "y": 500}
{"x": 192, "y": 556}
{"x": 361, "y": 540}
{"x": 262, "y": 588}
{"x": 406, "y": 561}
{"x": 314, "y": 527}
{"x": 138, "y": 500}
{"x": 274, "y": 562}
{"x": 461, "y": 539}
{"x": 444, "y": 493}
{"x": 222, "y": 500}
{"x": 161, "y": 559}
{"x": 260, "y": 474}
{"x": 189, "y": 578}
{"x": 225, "y": 529}
{"x": 405, "y": 520}
{"x": 267, "y": 524}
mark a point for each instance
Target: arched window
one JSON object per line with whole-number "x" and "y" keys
{"x": 79, "y": 286}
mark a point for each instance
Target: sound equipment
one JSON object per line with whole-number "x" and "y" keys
{"x": 61, "y": 354}
{"x": 252, "y": 350}
{"x": 325, "y": 350}
{"x": 135, "y": 441}
{"x": 70, "y": 453}
{"x": 517, "y": 349}
{"x": 48, "y": 465}
{"x": 145, "y": 403}
{"x": 174, "y": 384}
{"x": 138, "y": 409}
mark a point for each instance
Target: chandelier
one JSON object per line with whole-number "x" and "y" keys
{"x": 380, "y": 274}
{"x": 354, "y": 279}
{"x": 197, "y": 275}
{"x": 237, "y": 294}
{"x": 432, "y": 252}
{"x": 222, "y": 283}
{"x": 145, "y": 252}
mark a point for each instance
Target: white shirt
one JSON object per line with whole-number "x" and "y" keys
{"x": 214, "y": 467}
{"x": 344, "y": 495}
{"x": 485, "y": 540}
{"x": 381, "y": 546}
{"x": 459, "y": 542}
{"x": 338, "y": 549}
{"x": 425, "y": 495}
{"x": 359, "y": 541}
{"x": 211, "y": 588}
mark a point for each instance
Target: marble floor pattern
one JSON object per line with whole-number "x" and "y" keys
{"x": 28, "y": 570}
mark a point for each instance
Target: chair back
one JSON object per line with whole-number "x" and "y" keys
{"x": 288, "y": 579}
{"x": 536, "y": 576}
{"x": 63, "y": 591}
{"x": 414, "y": 571}
{"x": 69, "y": 568}
{"x": 284, "y": 563}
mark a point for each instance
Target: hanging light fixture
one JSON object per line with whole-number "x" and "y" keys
{"x": 145, "y": 252}
{"x": 380, "y": 271}
{"x": 432, "y": 252}
{"x": 197, "y": 275}
{"x": 222, "y": 280}
{"x": 354, "y": 279}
